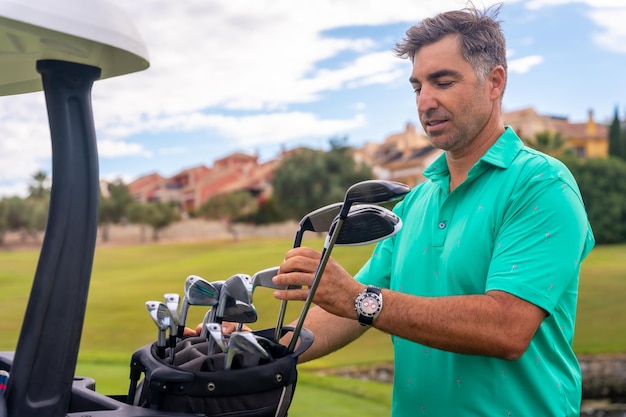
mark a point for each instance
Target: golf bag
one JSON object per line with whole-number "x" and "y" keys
{"x": 197, "y": 383}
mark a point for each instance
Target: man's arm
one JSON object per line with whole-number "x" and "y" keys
{"x": 331, "y": 333}
{"x": 493, "y": 324}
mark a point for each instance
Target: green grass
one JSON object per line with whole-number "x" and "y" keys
{"x": 123, "y": 278}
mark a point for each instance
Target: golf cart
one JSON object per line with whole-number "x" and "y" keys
{"x": 62, "y": 48}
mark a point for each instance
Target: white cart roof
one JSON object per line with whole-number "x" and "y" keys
{"x": 91, "y": 32}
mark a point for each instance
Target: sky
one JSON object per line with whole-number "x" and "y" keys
{"x": 261, "y": 76}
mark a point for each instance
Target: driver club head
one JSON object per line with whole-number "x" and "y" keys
{"x": 368, "y": 224}
{"x": 317, "y": 221}
{"x": 375, "y": 192}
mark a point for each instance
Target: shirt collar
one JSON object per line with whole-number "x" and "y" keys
{"x": 501, "y": 154}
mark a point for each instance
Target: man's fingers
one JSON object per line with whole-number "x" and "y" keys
{"x": 191, "y": 332}
{"x": 295, "y": 295}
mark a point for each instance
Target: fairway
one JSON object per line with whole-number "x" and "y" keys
{"x": 123, "y": 278}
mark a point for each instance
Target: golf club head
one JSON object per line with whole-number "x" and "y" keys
{"x": 264, "y": 277}
{"x": 243, "y": 342}
{"x": 318, "y": 221}
{"x": 238, "y": 311}
{"x": 215, "y": 332}
{"x": 172, "y": 301}
{"x": 190, "y": 280}
{"x": 234, "y": 288}
{"x": 162, "y": 317}
{"x": 375, "y": 192}
{"x": 160, "y": 314}
{"x": 184, "y": 308}
{"x": 368, "y": 224}
{"x": 237, "y": 286}
{"x": 202, "y": 293}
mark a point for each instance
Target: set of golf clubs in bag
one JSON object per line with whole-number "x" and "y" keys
{"x": 212, "y": 374}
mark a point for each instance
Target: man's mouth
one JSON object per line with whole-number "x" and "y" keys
{"x": 431, "y": 123}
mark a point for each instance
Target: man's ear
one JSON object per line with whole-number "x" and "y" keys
{"x": 497, "y": 81}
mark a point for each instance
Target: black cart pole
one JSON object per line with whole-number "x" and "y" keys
{"x": 47, "y": 349}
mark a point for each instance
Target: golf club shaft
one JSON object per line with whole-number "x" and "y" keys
{"x": 283, "y": 304}
{"x": 316, "y": 281}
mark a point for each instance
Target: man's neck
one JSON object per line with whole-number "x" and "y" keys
{"x": 460, "y": 162}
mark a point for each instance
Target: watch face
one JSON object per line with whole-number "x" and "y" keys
{"x": 370, "y": 305}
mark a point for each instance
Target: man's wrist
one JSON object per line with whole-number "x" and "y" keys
{"x": 368, "y": 305}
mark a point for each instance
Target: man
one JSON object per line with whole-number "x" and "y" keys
{"x": 480, "y": 285}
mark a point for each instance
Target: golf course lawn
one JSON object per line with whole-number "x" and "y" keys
{"x": 124, "y": 278}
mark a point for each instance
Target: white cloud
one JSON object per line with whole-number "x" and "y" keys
{"x": 608, "y": 15}
{"x": 613, "y": 34}
{"x": 113, "y": 149}
{"x": 523, "y": 65}
{"x": 261, "y": 55}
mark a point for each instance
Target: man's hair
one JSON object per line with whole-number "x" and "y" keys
{"x": 482, "y": 41}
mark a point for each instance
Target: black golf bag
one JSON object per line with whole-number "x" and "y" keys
{"x": 197, "y": 382}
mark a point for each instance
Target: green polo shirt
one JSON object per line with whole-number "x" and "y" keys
{"x": 517, "y": 224}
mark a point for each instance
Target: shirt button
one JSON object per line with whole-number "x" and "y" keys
{"x": 442, "y": 225}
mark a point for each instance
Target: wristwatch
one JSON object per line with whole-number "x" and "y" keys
{"x": 368, "y": 305}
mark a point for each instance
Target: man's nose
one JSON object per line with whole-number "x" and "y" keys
{"x": 426, "y": 100}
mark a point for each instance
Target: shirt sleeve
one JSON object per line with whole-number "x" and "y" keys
{"x": 543, "y": 238}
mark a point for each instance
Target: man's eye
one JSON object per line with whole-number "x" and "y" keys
{"x": 417, "y": 90}
{"x": 444, "y": 84}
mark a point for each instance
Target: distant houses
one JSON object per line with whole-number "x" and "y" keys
{"x": 402, "y": 157}
{"x": 588, "y": 139}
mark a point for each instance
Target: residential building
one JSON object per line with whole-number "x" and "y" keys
{"x": 402, "y": 157}
{"x": 588, "y": 139}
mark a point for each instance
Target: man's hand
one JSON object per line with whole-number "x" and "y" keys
{"x": 227, "y": 328}
{"x": 337, "y": 289}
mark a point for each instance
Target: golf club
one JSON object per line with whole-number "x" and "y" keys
{"x": 215, "y": 333}
{"x": 234, "y": 288}
{"x": 243, "y": 342}
{"x": 317, "y": 221}
{"x": 364, "y": 225}
{"x": 162, "y": 317}
{"x": 371, "y": 191}
{"x": 263, "y": 279}
{"x": 198, "y": 291}
{"x": 172, "y": 301}
{"x": 236, "y": 311}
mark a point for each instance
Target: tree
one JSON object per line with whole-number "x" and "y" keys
{"x": 156, "y": 215}
{"x": 39, "y": 189}
{"x": 616, "y": 143}
{"x": 4, "y": 222}
{"x": 550, "y": 143}
{"x": 229, "y": 207}
{"x": 310, "y": 179}
{"x": 602, "y": 186}
{"x": 114, "y": 208}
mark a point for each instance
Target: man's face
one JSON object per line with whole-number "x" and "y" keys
{"x": 453, "y": 104}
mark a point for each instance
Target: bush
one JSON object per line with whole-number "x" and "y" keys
{"x": 602, "y": 184}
